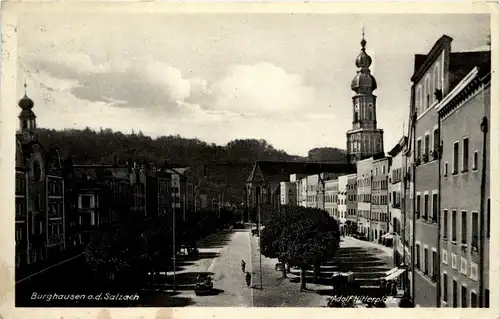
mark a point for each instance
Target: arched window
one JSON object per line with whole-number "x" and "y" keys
{"x": 428, "y": 93}
{"x": 418, "y": 99}
{"x": 355, "y": 116}
{"x": 25, "y": 124}
{"x": 437, "y": 80}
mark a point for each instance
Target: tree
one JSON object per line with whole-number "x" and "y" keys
{"x": 271, "y": 244}
{"x": 127, "y": 253}
{"x": 303, "y": 237}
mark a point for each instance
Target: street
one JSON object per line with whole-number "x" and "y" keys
{"x": 220, "y": 256}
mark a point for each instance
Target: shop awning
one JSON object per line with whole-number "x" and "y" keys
{"x": 388, "y": 236}
{"x": 395, "y": 274}
{"x": 389, "y": 272}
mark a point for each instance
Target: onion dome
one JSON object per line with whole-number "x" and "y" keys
{"x": 26, "y": 103}
{"x": 363, "y": 81}
{"x": 363, "y": 60}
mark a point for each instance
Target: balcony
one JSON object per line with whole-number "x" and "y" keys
{"x": 417, "y": 161}
{"x": 463, "y": 246}
{"x": 435, "y": 154}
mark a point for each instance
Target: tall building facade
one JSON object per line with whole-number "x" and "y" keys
{"x": 364, "y": 140}
{"x": 437, "y": 78}
{"x": 40, "y": 210}
{"x": 364, "y": 195}
{"x": 352, "y": 203}
{"x": 465, "y": 221}
{"x": 396, "y": 197}
{"x": 380, "y": 214}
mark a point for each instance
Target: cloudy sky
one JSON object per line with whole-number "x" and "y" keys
{"x": 280, "y": 77}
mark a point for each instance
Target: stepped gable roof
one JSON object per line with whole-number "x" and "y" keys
{"x": 281, "y": 171}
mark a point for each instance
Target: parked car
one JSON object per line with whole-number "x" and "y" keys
{"x": 204, "y": 285}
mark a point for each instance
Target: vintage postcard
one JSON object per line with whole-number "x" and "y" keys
{"x": 208, "y": 157}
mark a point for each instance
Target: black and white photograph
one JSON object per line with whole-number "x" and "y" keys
{"x": 248, "y": 159}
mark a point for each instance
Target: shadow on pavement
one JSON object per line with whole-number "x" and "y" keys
{"x": 207, "y": 255}
{"x": 213, "y": 292}
{"x": 187, "y": 279}
{"x": 216, "y": 240}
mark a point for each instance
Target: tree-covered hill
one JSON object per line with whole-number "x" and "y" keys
{"x": 228, "y": 166}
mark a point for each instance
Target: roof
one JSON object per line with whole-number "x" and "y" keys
{"x": 423, "y": 62}
{"x": 399, "y": 146}
{"x": 281, "y": 171}
{"x": 461, "y": 63}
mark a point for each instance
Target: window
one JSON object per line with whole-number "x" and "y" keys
{"x": 435, "y": 264}
{"x": 426, "y": 206}
{"x": 475, "y": 230}
{"x": 426, "y": 144}
{"x": 465, "y": 155}
{"x": 417, "y": 206}
{"x": 445, "y": 287}
{"x": 419, "y": 99}
{"x": 85, "y": 201}
{"x": 474, "y": 161}
{"x": 473, "y": 299}
{"x": 455, "y": 158}
{"x": 454, "y": 225}
{"x": 445, "y": 173}
{"x": 445, "y": 224}
{"x": 426, "y": 261}
{"x": 419, "y": 148}
{"x": 463, "y": 294}
{"x": 455, "y": 294}
{"x": 434, "y": 208}
{"x": 436, "y": 139}
{"x": 464, "y": 227}
{"x": 427, "y": 93}
{"x": 417, "y": 248}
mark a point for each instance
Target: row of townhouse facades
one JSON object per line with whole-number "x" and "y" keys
{"x": 59, "y": 204}
{"x": 430, "y": 196}
{"x": 447, "y": 169}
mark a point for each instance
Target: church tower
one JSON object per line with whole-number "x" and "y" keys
{"x": 27, "y": 119}
{"x": 364, "y": 140}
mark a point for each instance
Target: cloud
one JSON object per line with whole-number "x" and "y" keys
{"x": 262, "y": 88}
{"x": 138, "y": 83}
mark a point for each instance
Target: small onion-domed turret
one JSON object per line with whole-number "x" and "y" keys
{"x": 26, "y": 103}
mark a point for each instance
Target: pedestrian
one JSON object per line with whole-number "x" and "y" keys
{"x": 248, "y": 279}
{"x": 243, "y": 264}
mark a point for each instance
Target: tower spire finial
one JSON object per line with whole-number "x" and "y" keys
{"x": 25, "y": 88}
{"x": 363, "y": 41}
